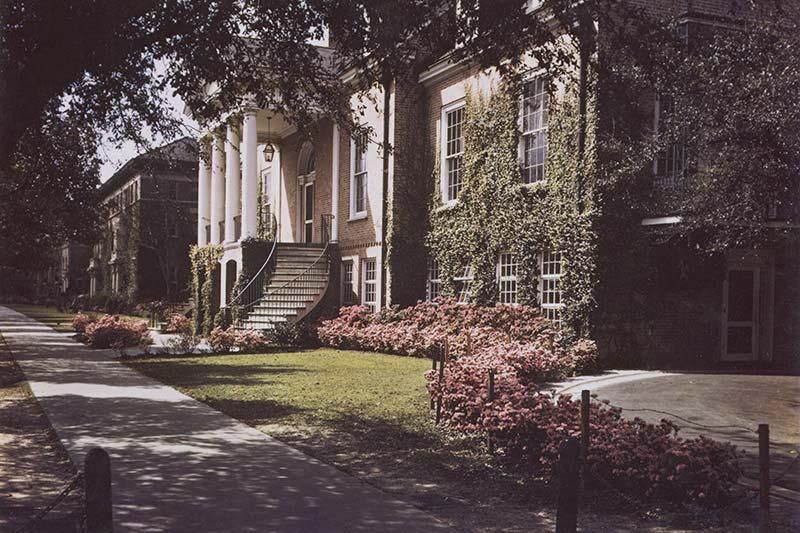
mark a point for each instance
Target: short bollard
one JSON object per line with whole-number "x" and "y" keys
{"x": 585, "y": 400}
{"x": 489, "y": 440}
{"x": 568, "y": 486}
{"x": 97, "y": 491}
{"x": 763, "y": 476}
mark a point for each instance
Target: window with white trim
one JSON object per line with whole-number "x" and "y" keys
{"x": 349, "y": 296}
{"x": 463, "y": 285}
{"x": 370, "y": 292}
{"x": 358, "y": 176}
{"x": 670, "y": 164}
{"x": 507, "y": 278}
{"x": 550, "y": 267}
{"x": 434, "y": 281}
{"x": 533, "y": 138}
{"x": 452, "y": 151}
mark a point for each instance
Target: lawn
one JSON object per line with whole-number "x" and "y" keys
{"x": 311, "y": 387}
{"x": 368, "y": 414}
{"x": 50, "y": 316}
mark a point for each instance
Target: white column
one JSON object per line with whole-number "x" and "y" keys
{"x": 279, "y": 197}
{"x": 335, "y": 184}
{"x": 217, "y": 187}
{"x": 250, "y": 175}
{"x": 232, "y": 182}
{"x": 203, "y": 193}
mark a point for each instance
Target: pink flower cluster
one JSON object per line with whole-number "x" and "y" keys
{"x": 223, "y": 340}
{"x": 528, "y": 427}
{"x": 519, "y": 332}
{"x": 179, "y": 324}
{"x": 81, "y": 321}
{"x": 111, "y": 331}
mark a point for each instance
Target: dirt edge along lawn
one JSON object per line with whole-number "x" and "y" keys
{"x": 368, "y": 414}
{"x": 34, "y": 467}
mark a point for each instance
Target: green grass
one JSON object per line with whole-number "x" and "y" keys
{"x": 311, "y": 387}
{"x": 50, "y": 316}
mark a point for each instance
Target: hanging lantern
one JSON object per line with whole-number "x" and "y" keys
{"x": 269, "y": 150}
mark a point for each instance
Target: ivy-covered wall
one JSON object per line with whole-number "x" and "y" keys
{"x": 496, "y": 212}
{"x": 204, "y": 261}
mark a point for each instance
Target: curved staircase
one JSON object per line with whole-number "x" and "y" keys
{"x": 297, "y": 284}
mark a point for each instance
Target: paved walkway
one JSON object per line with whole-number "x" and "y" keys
{"x": 179, "y": 465}
{"x": 725, "y": 407}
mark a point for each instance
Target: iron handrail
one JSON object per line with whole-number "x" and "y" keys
{"x": 240, "y": 293}
{"x": 303, "y": 273}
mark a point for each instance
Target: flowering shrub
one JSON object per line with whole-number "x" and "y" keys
{"x": 162, "y": 309}
{"x": 222, "y": 340}
{"x": 519, "y": 331}
{"x": 179, "y": 324}
{"x": 250, "y": 341}
{"x": 111, "y": 331}
{"x": 528, "y": 427}
{"x": 80, "y": 321}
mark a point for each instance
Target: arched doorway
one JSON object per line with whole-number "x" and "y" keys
{"x": 306, "y": 172}
{"x": 230, "y": 279}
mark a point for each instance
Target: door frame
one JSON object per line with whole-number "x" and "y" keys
{"x": 303, "y": 182}
{"x": 305, "y": 221}
{"x": 753, "y": 355}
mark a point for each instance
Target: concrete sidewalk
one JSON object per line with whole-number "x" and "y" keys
{"x": 179, "y": 465}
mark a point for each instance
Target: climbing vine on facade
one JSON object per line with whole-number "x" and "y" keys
{"x": 497, "y": 213}
{"x": 204, "y": 261}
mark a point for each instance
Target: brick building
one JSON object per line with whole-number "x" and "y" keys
{"x": 150, "y": 206}
{"x": 377, "y": 220}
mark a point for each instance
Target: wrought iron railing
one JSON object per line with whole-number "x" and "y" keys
{"x": 325, "y": 224}
{"x": 243, "y": 301}
{"x": 308, "y": 280}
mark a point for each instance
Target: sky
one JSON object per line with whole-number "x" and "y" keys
{"x": 114, "y": 157}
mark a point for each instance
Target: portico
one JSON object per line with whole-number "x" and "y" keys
{"x": 240, "y": 180}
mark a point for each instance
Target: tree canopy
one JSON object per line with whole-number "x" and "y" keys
{"x": 93, "y": 67}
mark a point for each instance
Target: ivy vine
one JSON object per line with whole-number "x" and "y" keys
{"x": 496, "y": 212}
{"x": 204, "y": 260}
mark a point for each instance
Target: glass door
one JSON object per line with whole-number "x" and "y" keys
{"x": 308, "y": 212}
{"x": 740, "y": 310}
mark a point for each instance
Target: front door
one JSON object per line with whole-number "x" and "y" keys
{"x": 740, "y": 314}
{"x": 308, "y": 212}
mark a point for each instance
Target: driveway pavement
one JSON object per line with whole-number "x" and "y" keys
{"x": 726, "y": 407}
{"x": 179, "y": 465}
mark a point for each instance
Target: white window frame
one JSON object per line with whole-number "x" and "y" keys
{"x": 366, "y": 283}
{"x": 526, "y": 133}
{"x": 465, "y": 279}
{"x": 507, "y": 277}
{"x": 354, "y": 282}
{"x": 444, "y": 157}
{"x": 356, "y": 214}
{"x": 672, "y": 153}
{"x": 434, "y": 279}
{"x": 548, "y": 277}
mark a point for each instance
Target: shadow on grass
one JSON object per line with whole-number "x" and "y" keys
{"x": 193, "y": 374}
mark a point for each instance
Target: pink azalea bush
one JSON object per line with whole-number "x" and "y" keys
{"x": 80, "y": 321}
{"x": 111, "y": 331}
{"x": 528, "y": 427}
{"x": 224, "y": 340}
{"x": 251, "y": 341}
{"x": 179, "y": 324}
{"x": 422, "y": 330}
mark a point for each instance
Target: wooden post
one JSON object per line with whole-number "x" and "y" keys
{"x": 585, "y": 399}
{"x": 763, "y": 477}
{"x": 433, "y": 366}
{"x": 568, "y": 486}
{"x": 441, "y": 380}
{"x": 97, "y": 491}
{"x": 489, "y": 441}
